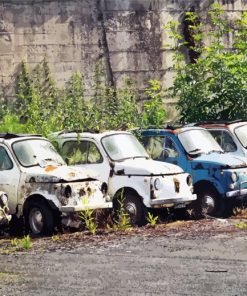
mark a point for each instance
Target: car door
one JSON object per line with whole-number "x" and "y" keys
{"x": 226, "y": 141}
{"x": 164, "y": 148}
{"x": 86, "y": 154}
{"x": 9, "y": 177}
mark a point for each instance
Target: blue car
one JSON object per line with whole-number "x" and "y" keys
{"x": 219, "y": 179}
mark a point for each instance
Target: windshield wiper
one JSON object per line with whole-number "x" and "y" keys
{"x": 219, "y": 151}
{"x": 49, "y": 160}
{"x": 146, "y": 157}
{"x": 197, "y": 150}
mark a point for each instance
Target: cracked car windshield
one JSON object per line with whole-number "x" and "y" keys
{"x": 241, "y": 133}
{"x": 198, "y": 141}
{"x": 123, "y": 146}
{"x": 36, "y": 152}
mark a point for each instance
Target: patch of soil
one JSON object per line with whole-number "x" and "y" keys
{"x": 179, "y": 229}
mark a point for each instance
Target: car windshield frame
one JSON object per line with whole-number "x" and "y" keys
{"x": 143, "y": 155}
{"x": 197, "y": 149}
{"x": 47, "y": 157}
{"x": 238, "y": 137}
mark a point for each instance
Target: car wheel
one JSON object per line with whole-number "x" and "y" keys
{"x": 136, "y": 209}
{"x": 40, "y": 218}
{"x": 209, "y": 203}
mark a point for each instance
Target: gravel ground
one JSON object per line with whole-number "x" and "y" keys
{"x": 207, "y": 257}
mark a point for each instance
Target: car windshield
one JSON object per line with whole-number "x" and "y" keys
{"x": 36, "y": 152}
{"x": 197, "y": 141}
{"x": 123, "y": 146}
{"x": 241, "y": 133}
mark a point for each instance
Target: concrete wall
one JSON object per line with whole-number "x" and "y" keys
{"x": 74, "y": 34}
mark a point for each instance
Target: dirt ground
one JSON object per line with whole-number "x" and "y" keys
{"x": 206, "y": 257}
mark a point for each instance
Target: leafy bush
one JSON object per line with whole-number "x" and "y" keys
{"x": 213, "y": 86}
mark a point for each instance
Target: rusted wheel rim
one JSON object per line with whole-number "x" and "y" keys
{"x": 208, "y": 204}
{"x": 36, "y": 220}
{"x": 131, "y": 209}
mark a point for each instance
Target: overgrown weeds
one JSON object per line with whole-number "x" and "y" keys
{"x": 241, "y": 225}
{"x": 43, "y": 108}
{"x": 88, "y": 218}
{"x": 151, "y": 219}
{"x": 240, "y": 212}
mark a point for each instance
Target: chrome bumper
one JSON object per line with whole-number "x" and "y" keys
{"x": 70, "y": 209}
{"x": 236, "y": 193}
{"x": 239, "y": 192}
{"x": 172, "y": 201}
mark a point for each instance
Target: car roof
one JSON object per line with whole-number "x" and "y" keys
{"x": 174, "y": 130}
{"x": 11, "y": 137}
{"x": 221, "y": 124}
{"x": 73, "y": 135}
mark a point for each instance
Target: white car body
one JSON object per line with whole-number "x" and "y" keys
{"x": 238, "y": 146}
{"x": 64, "y": 189}
{"x": 137, "y": 174}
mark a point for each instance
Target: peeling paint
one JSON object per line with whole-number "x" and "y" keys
{"x": 64, "y": 188}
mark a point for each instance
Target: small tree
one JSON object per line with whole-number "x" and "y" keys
{"x": 153, "y": 110}
{"x": 215, "y": 85}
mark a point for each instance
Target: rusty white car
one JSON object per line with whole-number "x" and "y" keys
{"x": 126, "y": 170}
{"x": 41, "y": 188}
{"x": 4, "y": 210}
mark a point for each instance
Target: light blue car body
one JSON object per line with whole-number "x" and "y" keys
{"x": 212, "y": 169}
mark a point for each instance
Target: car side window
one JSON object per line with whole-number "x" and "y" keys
{"x": 81, "y": 152}
{"x": 170, "y": 149}
{"x": 94, "y": 155}
{"x": 225, "y": 140}
{"x": 154, "y": 146}
{"x": 75, "y": 152}
{"x": 5, "y": 161}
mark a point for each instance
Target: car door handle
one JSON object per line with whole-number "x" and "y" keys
{"x": 175, "y": 162}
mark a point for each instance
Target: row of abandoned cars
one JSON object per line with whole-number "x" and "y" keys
{"x": 201, "y": 167}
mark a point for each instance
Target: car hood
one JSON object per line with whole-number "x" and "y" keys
{"x": 55, "y": 174}
{"x": 145, "y": 167}
{"x": 217, "y": 160}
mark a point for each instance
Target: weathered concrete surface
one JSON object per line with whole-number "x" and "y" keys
{"x": 75, "y": 34}
{"x": 132, "y": 266}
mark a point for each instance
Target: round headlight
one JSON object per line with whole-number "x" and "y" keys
{"x": 157, "y": 184}
{"x": 234, "y": 177}
{"x": 67, "y": 191}
{"x": 104, "y": 188}
{"x": 189, "y": 180}
{"x": 4, "y": 199}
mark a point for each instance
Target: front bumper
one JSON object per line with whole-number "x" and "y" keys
{"x": 172, "y": 202}
{"x": 71, "y": 209}
{"x": 237, "y": 193}
{"x": 241, "y": 192}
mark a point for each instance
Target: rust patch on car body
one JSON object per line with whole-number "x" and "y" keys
{"x": 50, "y": 168}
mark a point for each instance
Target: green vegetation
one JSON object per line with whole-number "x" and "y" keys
{"x": 151, "y": 219}
{"x": 88, "y": 218}
{"x": 214, "y": 84}
{"x": 26, "y": 243}
{"x": 123, "y": 220}
{"x": 43, "y": 108}
{"x": 210, "y": 83}
{"x": 241, "y": 225}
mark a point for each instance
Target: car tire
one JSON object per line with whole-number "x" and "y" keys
{"x": 136, "y": 209}
{"x": 209, "y": 203}
{"x": 40, "y": 219}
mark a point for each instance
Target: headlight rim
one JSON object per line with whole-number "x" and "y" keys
{"x": 234, "y": 177}
{"x": 189, "y": 180}
{"x": 4, "y": 201}
{"x": 157, "y": 184}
